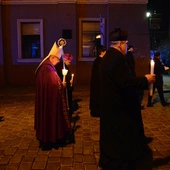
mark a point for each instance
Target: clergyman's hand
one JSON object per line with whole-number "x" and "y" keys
{"x": 150, "y": 78}
{"x": 64, "y": 84}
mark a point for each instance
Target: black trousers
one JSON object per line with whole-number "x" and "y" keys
{"x": 128, "y": 165}
{"x": 160, "y": 92}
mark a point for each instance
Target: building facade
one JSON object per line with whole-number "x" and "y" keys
{"x": 28, "y": 29}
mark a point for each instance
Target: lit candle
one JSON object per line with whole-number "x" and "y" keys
{"x": 152, "y": 67}
{"x": 72, "y": 79}
{"x": 64, "y": 72}
{"x": 152, "y": 64}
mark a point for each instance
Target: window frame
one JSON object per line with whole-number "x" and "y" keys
{"x": 28, "y": 60}
{"x": 81, "y": 57}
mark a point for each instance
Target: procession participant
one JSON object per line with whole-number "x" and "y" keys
{"x": 69, "y": 82}
{"x": 122, "y": 138}
{"x": 52, "y": 122}
{"x": 159, "y": 69}
{"x": 94, "y": 84}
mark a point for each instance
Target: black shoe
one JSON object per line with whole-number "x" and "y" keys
{"x": 165, "y": 104}
{"x": 62, "y": 142}
{"x": 40, "y": 144}
{"x": 94, "y": 113}
{"x": 149, "y": 105}
{"x": 46, "y": 147}
{"x": 1, "y": 118}
{"x": 56, "y": 146}
{"x": 148, "y": 139}
{"x": 142, "y": 107}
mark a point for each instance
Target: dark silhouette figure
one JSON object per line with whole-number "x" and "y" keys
{"x": 94, "y": 84}
{"x": 69, "y": 84}
{"x": 158, "y": 71}
{"x": 122, "y": 139}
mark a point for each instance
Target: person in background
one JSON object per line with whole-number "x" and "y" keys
{"x": 130, "y": 59}
{"x": 122, "y": 138}
{"x": 69, "y": 84}
{"x": 94, "y": 84}
{"x": 159, "y": 69}
{"x": 52, "y": 124}
{"x": 131, "y": 63}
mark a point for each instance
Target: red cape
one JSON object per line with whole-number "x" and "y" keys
{"x": 51, "y": 112}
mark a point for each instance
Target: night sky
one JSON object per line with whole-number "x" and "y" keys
{"x": 162, "y": 7}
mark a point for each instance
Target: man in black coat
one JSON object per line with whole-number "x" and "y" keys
{"x": 158, "y": 71}
{"x": 94, "y": 84}
{"x": 122, "y": 138}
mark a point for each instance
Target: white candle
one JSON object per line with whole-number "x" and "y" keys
{"x": 72, "y": 79}
{"x": 152, "y": 64}
{"x": 152, "y": 67}
{"x": 64, "y": 72}
{"x": 64, "y": 78}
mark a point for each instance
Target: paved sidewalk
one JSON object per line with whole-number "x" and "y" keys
{"x": 19, "y": 147}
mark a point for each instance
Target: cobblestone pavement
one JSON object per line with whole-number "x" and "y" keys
{"x": 19, "y": 148}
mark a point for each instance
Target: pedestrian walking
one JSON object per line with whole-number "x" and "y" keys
{"x": 159, "y": 69}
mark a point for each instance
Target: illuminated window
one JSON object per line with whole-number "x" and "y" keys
{"x": 30, "y": 40}
{"x": 90, "y": 38}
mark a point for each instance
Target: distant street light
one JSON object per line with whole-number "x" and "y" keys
{"x": 98, "y": 36}
{"x": 148, "y": 14}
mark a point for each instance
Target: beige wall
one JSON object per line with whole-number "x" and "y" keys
{"x": 74, "y": 1}
{"x": 132, "y": 18}
{"x": 2, "y": 80}
{"x": 54, "y": 21}
{"x": 56, "y": 18}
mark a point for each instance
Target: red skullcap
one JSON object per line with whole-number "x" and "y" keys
{"x": 68, "y": 57}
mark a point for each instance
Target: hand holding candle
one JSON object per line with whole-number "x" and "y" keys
{"x": 71, "y": 81}
{"x": 152, "y": 64}
{"x": 64, "y": 72}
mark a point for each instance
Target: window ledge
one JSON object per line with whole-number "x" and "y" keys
{"x": 86, "y": 59}
{"x": 27, "y": 60}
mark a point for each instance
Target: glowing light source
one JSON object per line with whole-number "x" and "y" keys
{"x": 98, "y": 36}
{"x": 148, "y": 14}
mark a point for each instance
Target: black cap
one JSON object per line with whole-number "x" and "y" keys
{"x": 118, "y": 35}
{"x": 157, "y": 54}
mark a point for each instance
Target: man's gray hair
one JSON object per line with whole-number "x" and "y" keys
{"x": 114, "y": 42}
